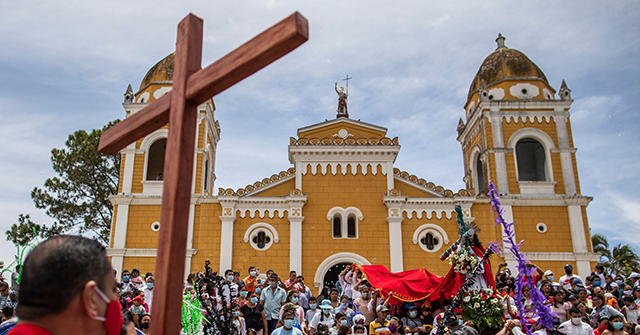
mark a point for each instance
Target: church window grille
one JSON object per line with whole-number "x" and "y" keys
{"x": 429, "y": 241}
{"x": 261, "y": 240}
{"x": 155, "y": 159}
{"x": 530, "y": 156}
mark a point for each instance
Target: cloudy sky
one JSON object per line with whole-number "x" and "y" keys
{"x": 64, "y": 66}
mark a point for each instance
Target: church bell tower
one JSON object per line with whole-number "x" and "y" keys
{"x": 518, "y": 135}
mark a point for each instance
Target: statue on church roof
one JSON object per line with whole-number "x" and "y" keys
{"x": 342, "y": 101}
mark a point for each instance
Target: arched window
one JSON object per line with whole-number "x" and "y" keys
{"x": 351, "y": 227}
{"x": 344, "y": 222}
{"x": 479, "y": 175}
{"x": 206, "y": 175}
{"x": 337, "y": 227}
{"x": 530, "y": 156}
{"x": 155, "y": 159}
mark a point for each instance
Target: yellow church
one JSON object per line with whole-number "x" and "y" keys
{"x": 344, "y": 201}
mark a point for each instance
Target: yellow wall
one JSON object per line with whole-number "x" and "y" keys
{"x": 144, "y": 264}
{"x": 328, "y": 191}
{"x": 558, "y": 235}
{"x": 206, "y": 236}
{"x": 281, "y": 190}
{"x": 139, "y": 233}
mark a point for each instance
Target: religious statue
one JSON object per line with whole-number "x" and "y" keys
{"x": 342, "y": 101}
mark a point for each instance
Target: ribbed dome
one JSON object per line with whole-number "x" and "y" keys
{"x": 505, "y": 63}
{"x": 162, "y": 72}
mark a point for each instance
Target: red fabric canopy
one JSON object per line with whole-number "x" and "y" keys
{"x": 419, "y": 284}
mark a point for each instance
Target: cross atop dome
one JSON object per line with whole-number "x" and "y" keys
{"x": 500, "y": 41}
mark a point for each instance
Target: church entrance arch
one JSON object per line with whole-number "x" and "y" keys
{"x": 333, "y": 265}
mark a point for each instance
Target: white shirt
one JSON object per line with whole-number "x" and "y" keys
{"x": 568, "y": 328}
{"x": 328, "y": 320}
{"x": 518, "y": 331}
{"x": 148, "y": 297}
{"x": 565, "y": 281}
{"x": 240, "y": 324}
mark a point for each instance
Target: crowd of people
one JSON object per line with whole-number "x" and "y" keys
{"x": 63, "y": 293}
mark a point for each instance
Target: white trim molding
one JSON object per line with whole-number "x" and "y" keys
{"x": 341, "y": 257}
{"x": 131, "y": 252}
{"x": 344, "y": 217}
{"x": 270, "y": 228}
{"x": 547, "y": 143}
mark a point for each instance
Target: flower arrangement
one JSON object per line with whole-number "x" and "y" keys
{"x": 484, "y": 308}
{"x": 464, "y": 260}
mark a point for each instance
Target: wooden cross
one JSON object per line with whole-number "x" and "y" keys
{"x": 191, "y": 87}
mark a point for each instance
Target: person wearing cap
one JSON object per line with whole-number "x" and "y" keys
{"x": 137, "y": 308}
{"x": 576, "y": 285}
{"x": 381, "y": 323}
{"x": 575, "y": 326}
{"x": 634, "y": 279}
{"x": 412, "y": 319}
{"x": 565, "y": 281}
{"x": 439, "y": 322}
{"x": 324, "y": 317}
{"x": 136, "y": 280}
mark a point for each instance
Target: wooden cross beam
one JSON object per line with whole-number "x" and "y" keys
{"x": 191, "y": 87}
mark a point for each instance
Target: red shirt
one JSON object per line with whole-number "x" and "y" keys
{"x": 28, "y": 329}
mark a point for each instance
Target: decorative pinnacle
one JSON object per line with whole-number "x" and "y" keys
{"x": 500, "y": 41}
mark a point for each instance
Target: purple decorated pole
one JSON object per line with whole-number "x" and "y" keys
{"x": 525, "y": 274}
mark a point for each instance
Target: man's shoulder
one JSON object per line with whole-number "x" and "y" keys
{"x": 465, "y": 330}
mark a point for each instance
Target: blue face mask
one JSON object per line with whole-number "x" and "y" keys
{"x": 619, "y": 282}
{"x": 617, "y": 325}
{"x": 343, "y": 322}
{"x": 550, "y": 277}
{"x": 459, "y": 321}
{"x": 125, "y": 279}
{"x": 254, "y": 300}
{"x": 149, "y": 285}
{"x": 243, "y": 293}
{"x": 413, "y": 314}
{"x": 252, "y": 273}
{"x": 236, "y": 313}
{"x": 288, "y": 324}
{"x": 597, "y": 283}
{"x": 230, "y": 278}
{"x": 294, "y": 300}
{"x": 388, "y": 317}
{"x": 313, "y": 306}
{"x": 258, "y": 290}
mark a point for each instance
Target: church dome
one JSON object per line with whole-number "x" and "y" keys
{"x": 506, "y": 64}
{"x": 161, "y": 73}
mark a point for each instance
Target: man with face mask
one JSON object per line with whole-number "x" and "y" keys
{"x": 272, "y": 299}
{"x": 456, "y": 327}
{"x": 565, "y": 281}
{"x": 412, "y": 320}
{"x": 575, "y": 326}
{"x": 287, "y": 328}
{"x": 229, "y": 293}
{"x": 148, "y": 292}
{"x": 126, "y": 281}
{"x": 67, "y": 287}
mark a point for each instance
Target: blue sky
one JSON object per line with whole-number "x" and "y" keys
{"x": 65, "y": 65}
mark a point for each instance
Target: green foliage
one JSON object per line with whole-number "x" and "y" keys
{"x": 484, "y": 309}
{"x": 78, "y": 198}
{"x": 25, "y": 231}
{"x": 621, "y": 260}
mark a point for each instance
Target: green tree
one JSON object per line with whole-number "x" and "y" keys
{"x": 78, "y": 198}
{"x": 621, "y": 260}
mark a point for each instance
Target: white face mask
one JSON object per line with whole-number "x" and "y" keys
{"x": 576, "y": 321}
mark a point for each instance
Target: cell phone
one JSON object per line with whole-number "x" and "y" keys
{"x": 258, "y": 270}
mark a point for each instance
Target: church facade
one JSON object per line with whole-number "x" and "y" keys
{"x": 344, "y": 201}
